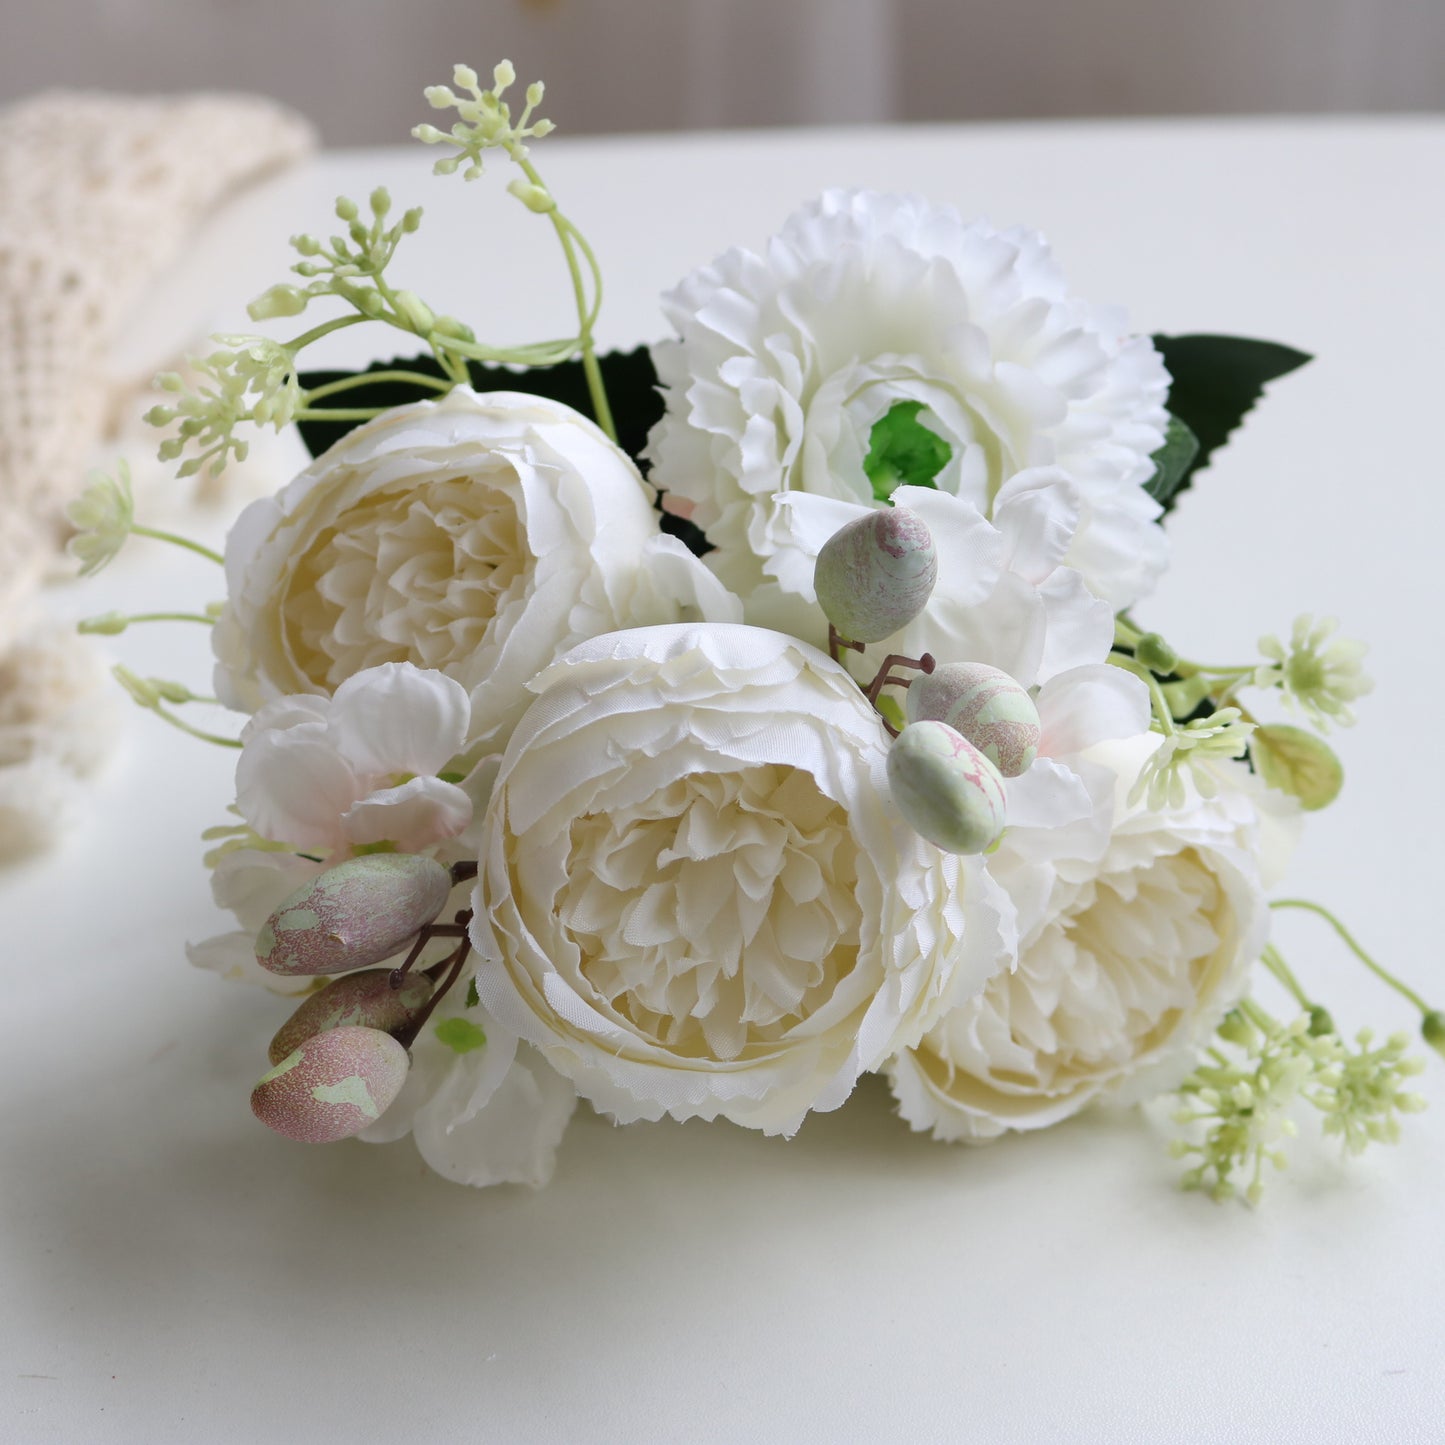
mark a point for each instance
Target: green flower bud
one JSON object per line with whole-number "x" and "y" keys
{"x": 535, "y": 198}
{"x": 1237, "y": 1029}
{"x": 874, "y": 576}
{"x": 353, "y": 915}
{"x": 1298, "y": 763}
{"x": 984, "y": 704}
{"x": 380, "y": 201}
{"x": 346, "y": 209}
{"x": 365, "y": 999}
{"x": 1322, "y": 1022}
{"x": 278, "y": 301}
{"x": 333, "y": 1086}
{"x": 306, "y": 245}
{"x": 415, "y": 312}
{"x": 450, "y": 326}
{"x": 946, "y": 789}
{"x": 1432, "y": 1030}
{"x": 1156, "y": 654}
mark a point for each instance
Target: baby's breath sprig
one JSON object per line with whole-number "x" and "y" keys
{"x": 1243, "y": 1096}
{"x": 256, "y": 380}
{"x": 484, "y": 122}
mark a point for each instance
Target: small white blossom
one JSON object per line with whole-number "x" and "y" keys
{"x": 103, "y": 516}
{"x": 1318, "y": 677}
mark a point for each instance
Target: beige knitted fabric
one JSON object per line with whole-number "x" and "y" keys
{"x": 98, "y": 193}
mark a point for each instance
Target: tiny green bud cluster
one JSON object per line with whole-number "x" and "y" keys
{"x": 1243, "y": 1102}
{"x": 1162, "y": 779}
{"x": 484, "y": 121}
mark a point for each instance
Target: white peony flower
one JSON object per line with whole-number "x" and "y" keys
{"x": 695, "y": 897}
{"x": 480, "y": 536}
{"x": 358, "y": 768}
{"x": 1130, "y": 953}
{"x": 869, "y": 306}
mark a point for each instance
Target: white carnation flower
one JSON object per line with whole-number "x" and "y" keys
{"x": 480, "y": 536}
{"x": 695, "y": 896}
{"x": 1131, "y": 949}
{"x": 785, "y": 364}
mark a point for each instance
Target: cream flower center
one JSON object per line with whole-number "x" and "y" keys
{"x": 719, "y": 913}
{"x": 1107, "y": 980}
{"x": 406, "y": 575}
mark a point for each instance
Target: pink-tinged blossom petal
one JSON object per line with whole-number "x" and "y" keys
{"x": 292, "y": 787}
{"x": 419, "y": 813}
{"x": 1088, "y": 705}
{"x": 398, "y": 718}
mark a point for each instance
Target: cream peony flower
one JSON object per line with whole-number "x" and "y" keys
{"x": 786, "y": 363}
{"x": 1131, "y": 949}
{"x": 695, "y": 895}
{"x": 480, "y": 536}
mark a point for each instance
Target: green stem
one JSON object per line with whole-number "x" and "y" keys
{"x": 566, "y": 233}
{"x": 185, "y": 727}
{"x": 337, "y": 413}
{"x": 365, "y": 378}
{"x": 1257, "y": 1016}
{"x": 1273, "y": 960}
{"x": 325, "y": 329}
{"x": 1350, "y": 942}
{"x": 175, "y": 541}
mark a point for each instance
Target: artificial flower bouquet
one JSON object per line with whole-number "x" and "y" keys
{"x": 694, "y": 730}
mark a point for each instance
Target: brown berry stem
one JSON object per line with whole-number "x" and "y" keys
{"x": 883, "y": 678}
{"x": 463, "y": 873}
{"x": 408, "y": 1036}
{"x": 836, "y": 641}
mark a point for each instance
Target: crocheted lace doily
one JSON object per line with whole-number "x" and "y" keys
{"x": 98, "y": 194}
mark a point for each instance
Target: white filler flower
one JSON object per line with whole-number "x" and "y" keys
{"x": 879, "y": 340}
{"x": 480, "y": 535}
{"x": 1131, "y": 949}
{"x": 695, "y": 896}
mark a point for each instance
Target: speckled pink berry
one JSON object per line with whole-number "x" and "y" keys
{"x": 366, "y": 999}
{"x": 353, "y": 915}
{"x": 945, "y": 788}
{"x": 986, "y": 705}
{"x": 874, "y": 576}
{"x": 333, "y": 1086}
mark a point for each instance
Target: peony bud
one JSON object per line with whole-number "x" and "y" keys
{"x": 986, "y": 705}
{"x": 874, "y": 576}
{"x": 945, "y": 788}
{"x": 333, "y": 1086}
{"x": 353, "y": 915}
{"x": 366, "y": 999}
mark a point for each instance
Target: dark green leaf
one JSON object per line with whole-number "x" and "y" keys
{"x": 1173, "y": 461}
{"x": 1215, "y": 380}
{"x": 629, "y": 376}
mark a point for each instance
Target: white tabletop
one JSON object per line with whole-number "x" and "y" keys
{"x": 172, "y": 1272}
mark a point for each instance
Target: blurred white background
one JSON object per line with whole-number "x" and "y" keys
{"x": 357, "y": 66}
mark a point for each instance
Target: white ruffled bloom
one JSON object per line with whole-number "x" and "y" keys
{"x": 480, "y": 535}
{"x": 359, "y": 767}
{"x": 1132, "y": 946}
{"x": 785, "y": 362}
{"x": 695, "y": 896}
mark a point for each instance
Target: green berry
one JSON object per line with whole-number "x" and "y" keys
{"x": 946, "y": 789}
{"x": 366, "y": 999}
{"x": 333, "y": 1086}
{"x": 986, "y": 705}
{"x": 874, "y": 576}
